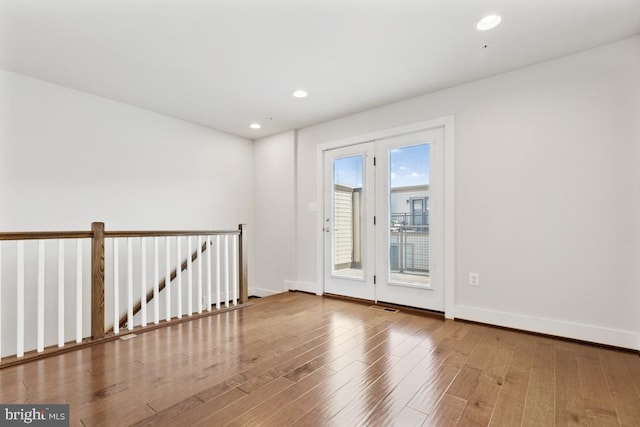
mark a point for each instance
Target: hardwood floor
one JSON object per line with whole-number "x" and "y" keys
{"x": 298, "y": 359}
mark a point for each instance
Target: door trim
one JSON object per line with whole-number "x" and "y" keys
{"x": 447, "y": 123}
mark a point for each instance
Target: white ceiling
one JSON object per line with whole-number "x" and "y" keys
{"x": 227, "y": 63}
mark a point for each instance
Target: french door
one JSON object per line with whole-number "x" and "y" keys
{"x": 409, "y": 210}
{"x": 383, "y": 231}
{"x": 349, "y": 239}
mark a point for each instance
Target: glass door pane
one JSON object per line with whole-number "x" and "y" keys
{"x": 347, "y": 217}
{"x": 408, "y": 196}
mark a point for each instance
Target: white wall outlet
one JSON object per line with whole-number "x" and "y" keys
{"x": 474, "y": 279}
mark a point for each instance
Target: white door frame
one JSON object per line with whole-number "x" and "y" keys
{"x": 447, "y": 123}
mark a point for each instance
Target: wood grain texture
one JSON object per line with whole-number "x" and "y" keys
{"x": 447, "y": 411}
{"x": 300, "y": 359}
{"x": 45, "y": 235}
{"x": 168, "y": 233}
{"x": 243, "y": 266}
{"x": 97, "y": 280}
{"x": 539, "y": 406}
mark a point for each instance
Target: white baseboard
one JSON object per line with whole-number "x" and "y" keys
{"x": 262, "y": 292}
{"x": 561, "y": 328}
{"x": 310, "y": 287}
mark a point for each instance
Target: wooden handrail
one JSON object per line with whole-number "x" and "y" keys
{"x": 50, "y": 235}
{"x": 170, "y": 233}
{"x": 163, "y": 283}
{"x": 45, "y": 235}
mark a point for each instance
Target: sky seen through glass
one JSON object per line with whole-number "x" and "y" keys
{"x": 409, "y": 166}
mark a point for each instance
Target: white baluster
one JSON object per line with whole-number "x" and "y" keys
{"x": 60, "y": 293}
{"x": 208, "y": 255}
{"x": 227, "y": 295}
{"x": 20, "y": 308}
{"x": 130, "y": 283}
{"x": 234, "y": 268}
{"x": 143, "y": 281}
{"x": 199, "y": 300}
{"x": 78, "y": 290}
{"x": 156, "y": 281}
{"x": 167, "y": 277}
{"x": 179, "y": 276}
{"x": 218, "y": 272}
{"x": 116, "y": 288}
{"x": 40, "y": 344}
{"x": 189, "y": 276}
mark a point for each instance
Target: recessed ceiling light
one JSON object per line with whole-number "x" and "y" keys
{"x": 255, "y": 126}
{"x": 488, "y": 22}
{"x": 300, "y": 93}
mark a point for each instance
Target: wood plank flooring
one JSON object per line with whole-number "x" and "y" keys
{"x": 299, "y": 359}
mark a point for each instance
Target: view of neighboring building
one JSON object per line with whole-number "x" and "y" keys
{"x": 410, "y": 205}
{"x": 409, "y": 248}
{"x": 409, "y": 228}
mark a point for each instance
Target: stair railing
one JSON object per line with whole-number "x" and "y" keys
{"x": 142, "y": 282}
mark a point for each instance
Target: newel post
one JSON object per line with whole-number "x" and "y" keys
{"x": 242, "y": 264}
{"x": 97, "y": 280}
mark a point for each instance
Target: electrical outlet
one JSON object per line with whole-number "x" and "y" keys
{"x": 474, "y": 279}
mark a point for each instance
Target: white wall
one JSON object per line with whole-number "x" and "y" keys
{"x": 545, "y": 171}
{"x": 275, "y": 214}
{"x": 68, "y": 158}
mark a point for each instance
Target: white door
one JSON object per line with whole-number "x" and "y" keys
{"x": 399, "y": 259}
{"x": 409, "y": 211}
{"x": 349, "y": 262}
